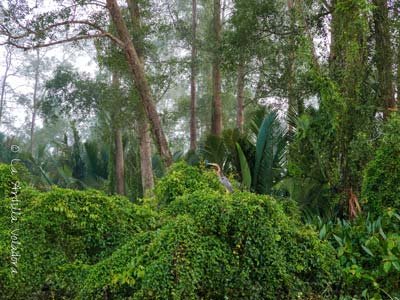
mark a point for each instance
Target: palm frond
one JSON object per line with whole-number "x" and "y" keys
{"x": 244, "y": 168}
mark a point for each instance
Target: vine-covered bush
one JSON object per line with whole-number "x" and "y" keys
{"x": 10, "y": 176}
{"x": 183, "y": 179}
{"x": 198, "y": 243}
{"x": 60, "y": 233}
{"x": 213, "y": 245}
{"x": 381, "y": 188}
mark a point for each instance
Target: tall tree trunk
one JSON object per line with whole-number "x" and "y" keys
{"x": 216, "y": 121}
{"x": 290, "y": 69}
{"x": 332, "y": 46}
{"x": 348, "y": 67}
{"x": 145, "y": 156}
{"x": 193, "y": 127}
{"x": 137, "y": 69}
{"x": 119, "y": 149}
{"x": 35, "y": 103}
{"x": 4, "y": 81}
{"x": 383, "y": 56}
{"x": 240, "y": 96}
{"x": 146, "y": 168}
{"x": 119, "y": 162}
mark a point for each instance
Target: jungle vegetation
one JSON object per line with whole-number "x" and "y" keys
{"x": 106, "y": 191}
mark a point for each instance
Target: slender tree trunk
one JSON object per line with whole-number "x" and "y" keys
{"x": 35, "y": 103}
{"x": 383, "y": 47}
{"x": 146, "y": 168}
{"x": 119, "y": 162}
{"x": 292, "y": 106}
{"x": 216, "y": 121}
{"x": 3, "y": 83}
{"x": 240, "y": 96}
{"x": 193, "y": 127}
{"x": 119, "y": 149}
{"x": 397, "y": 58}
{"x": 137, "y": 69}
{"x": 332, "y": 46}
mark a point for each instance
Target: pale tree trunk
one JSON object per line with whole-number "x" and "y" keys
{"x": 137, "y": 69}
{"x": 383, "y": 48}
{"x": 146, "y": 168}
{"x": 4, "y": 81}
{"x": 119, "y": 148}
{"x": 240, "y": 96}
{"x": 193, "y": 127}
{"x": 216, "y": 121}
{"x": 35, "y": 103}
{"x": 145, "y": 156}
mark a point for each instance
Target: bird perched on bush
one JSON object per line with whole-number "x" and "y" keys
{"x": 225, "y": 181}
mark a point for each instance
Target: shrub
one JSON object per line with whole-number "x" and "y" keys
{"x": 213, "y": 245}
{"x": 381, "y": 188}
{"x": 61, "y": 233}
{"x": 183, "y": 179}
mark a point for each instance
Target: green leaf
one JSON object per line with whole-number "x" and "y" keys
{"x": 386, "y": 266}
{"x": 396, "y": 265}
{"x": 382, "y": 233}
{"x": 322, "y": 232}
{"x": 244, "y": 168}
{"x": 367, "y": 250}
{"x": 338, "y": 239}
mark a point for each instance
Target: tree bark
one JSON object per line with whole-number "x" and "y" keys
{"x": 137, "y": 69}
{"x": 240, "y": 96}
{"x": 290, "y": 69}
{"x": 145, "y": 156}
{"x": 3, "y": 83}
{"x": 383, "y": 56}
{"x": 146, "y": 168}
{"x": 119, "y": 149}
{"x": 35, "y": 103}
{"x": 216, "y": 121}
{"x": 119, "y": 162}
{"x": 193, "y": 127}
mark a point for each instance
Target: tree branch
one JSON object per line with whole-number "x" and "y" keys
{"x": 72, "y": 39}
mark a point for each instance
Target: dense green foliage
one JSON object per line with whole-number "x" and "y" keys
{"x": 201, "y": 243}
{"x": 213, "y": 245}
{"x": 381, "y": 187}
{"x": 309, "y": 139}
{"x": 60, "y": 233}
{"x": 369, "y": 253}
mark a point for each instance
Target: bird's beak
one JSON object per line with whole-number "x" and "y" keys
{"x": 212, "y": 164}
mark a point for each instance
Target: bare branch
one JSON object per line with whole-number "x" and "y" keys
{"x": 72, "y": 39}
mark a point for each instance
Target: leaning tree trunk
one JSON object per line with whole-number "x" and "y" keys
{"x": 34, "y": 103}
{"x": 216, "y": 121}
{"x": 193, "y": 127}
{"x": 146, "y": 168}
{"x": 383, "y": 47}
{"x": 240, "y": 96}
{"x": 137, "y": 69}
